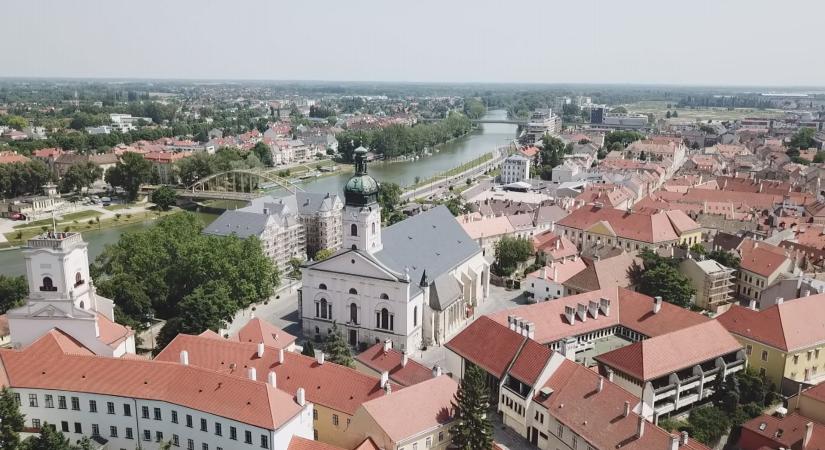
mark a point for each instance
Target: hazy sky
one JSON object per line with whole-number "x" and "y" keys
{"x": 738, "y": 42}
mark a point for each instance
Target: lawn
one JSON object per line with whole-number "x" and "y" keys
{"x": 457, "y": 170}
{"x": 20, "y": 236}
{"x": 659, "y": 109}
{"x": 61, "y": 219}
{"x": 118, "y": 206}
{"x": 89, "y": 213}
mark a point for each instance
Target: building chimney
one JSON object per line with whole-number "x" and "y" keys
{"x": 319, "y": 356}
{"x": 253, "y": 374}
{"x": 657, "y": 304}
{"x": 752, "y": 305}
{"x": 280, "y": 356}
{"x": 683, "y": 438}
{"x": 604, "y": 306}
{"x": 640, "y": 428}
{"x": 780, "y": 300}
{"x": 806, "y": 292}
{"x": 530, "y": 330}
{"x": 558, "y": 243}
{"x": 387, "y": 345}
{"x": 553, "y": 225}
{"x": 609, "y": 374}
{"x": 581, "y": 312}
{"x": 184, "y": 357}
{"x": 543, "y": 273}
{"x": 809, "y": 429}
{"x": 555, "y": 273}
{"x": 436, "y": 371}
{"x": 570, "y": 314}
{"x": 385, "y": 377}
{"x": 272, "y": 379}
{"x": 260, "y": 350}
{"x": 300, "y": 396}
{"x": 404, "y": 359}
{"x": 511, "y": 322}
{"x": 388, "y": 389}
{"x": 593, "y": 308}
{"x": 626, "y": 411}
{"x": 674, "y": 443}
{"x": 600, "y": 384}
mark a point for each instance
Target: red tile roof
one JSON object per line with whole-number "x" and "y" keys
{"x": 487, "y": 344}
{"x": 112, "y": 333}
{"x": 11, "y": 158}
{"x": 598, "y": 416}
{"x": 787, "y": 326}
{"x": 379, "y": 360}
{"x": 413, "y": 410}
{"x": 45, "y": 365}
{"x": 776, "y": 432}
{"x": 629, "y": 309}
{"x": 331, "y": 385}
{"x": 299, "y": 443}
{"x": 661, "y": 355}
{"x": 530, "y": 362}
{"x": 761, "y": 258}
{"x": 652, "y": 228}
{"x": 257, "y": 330}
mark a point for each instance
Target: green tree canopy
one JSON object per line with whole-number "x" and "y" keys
{"x": 264, "y": 153}
{"x": 336, "y": 348}
{"x": 48, "y": 439}
{"x": 129, "y": 173}
{"x": 389, "y": 196}
{"x": 474, "y": 108}
{"x": 803, "y": 138}
{"x": 473, "y": 429}
{"x": 13, "y": 420}
{"x": 23, "y": 178}
{"x": 13, "y": 290}
{"x": 709, "y": 424}
{"x": 323, "y": 254}
{"x": 80, "y": 176}
{"x": 510, "y": 251}
{"x": 164, "y": 197}
{"x": 309, "y": 349}
{"x": 724, "y": 258}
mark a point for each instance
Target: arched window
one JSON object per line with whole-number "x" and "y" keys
{"x": 353, "y": 230}
{"x": 354, "y": 247}
{"x": 373, "y": 228}
{"x": 82, "y": 305}
{"x": 48, "y": 285}
{"x": 322, "y": 287}
{"x": 385, "y": 319}
{"x": 385, "y": 296}
{"x": 415, "y": 316}
{"x": 324, "y": 308}
{"x": 353, "y": 291}
{"x": 353, "y": 313}
{"x": 78, "y": 279}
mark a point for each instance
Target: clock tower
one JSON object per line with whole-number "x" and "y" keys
{"x": 362, "y": 214}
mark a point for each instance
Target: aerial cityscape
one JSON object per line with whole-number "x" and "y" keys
{"x": 375, "y": 226}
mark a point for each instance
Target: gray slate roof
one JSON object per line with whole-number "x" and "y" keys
{"x": 433, "y": 241}
{"x": 444, "y": 291}
{"x": 241, "y": 223}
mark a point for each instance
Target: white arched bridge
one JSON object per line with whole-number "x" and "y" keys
{"x": 236, "y": 184}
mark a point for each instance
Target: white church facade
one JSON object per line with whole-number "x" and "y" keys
{"x": 415, "y": 283}
{"x": 62, "y": 295}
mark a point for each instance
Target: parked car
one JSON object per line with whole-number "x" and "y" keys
{"x": 18, "y": 216}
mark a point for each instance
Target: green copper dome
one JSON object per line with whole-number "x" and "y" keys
{"x": 361, "y": 189}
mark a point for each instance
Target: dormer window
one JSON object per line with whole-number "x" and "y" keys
{"x": 78, "y": 279}
{"x": 48, "y": 285}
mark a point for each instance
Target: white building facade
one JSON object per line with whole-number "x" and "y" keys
{"x": 515, "y": 168}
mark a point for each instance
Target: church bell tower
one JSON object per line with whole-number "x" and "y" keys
{"x": 362, "y": 214}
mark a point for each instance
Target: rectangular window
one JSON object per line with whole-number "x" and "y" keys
{"x": 190, "y": 444}
{"x": 264, "y": 441}
{"x": 95, "y": 430}
{"x": 33, "y": 400}
{"x": 113, "y": 431}
{"x": 189, "y": 421}
{"x": 64, "y": 426}
{"x": 144, "y": 412}
{"x": 204, "y": 446}
{"x": 158, "y": 436}
{"x": 440, "y": 436}
{"x": 127, "y": 410}
{"x": 147, "y": 435}
{"x": 49, "y": 401}
{"x": 233, "y": 433}
{"x": 335, "y": 419}
{"x": 429, "y": 442}
{"x": 78, "y": 428}
{"x": 174, "y": 417}
{"x": 314, "y": 434}
{"x": 36, "y": 424}
{"x": 795, "y": 359}
{"x": 764, "y": 355}
{"x": 247, "y": 437}
{"x": 157, "y": 414}
{"x": 75, "y": 404}
{"x": 176, "y": 440}
{"x": 92, "y": 406}
{"x": 748, "y": 349}
{"x": 17, "y": 398}
{"x": 110, "y": 407}
{"x": 218, "y": 429}
{"x": 129, "y": 434}
{"x": 203, "y": 425}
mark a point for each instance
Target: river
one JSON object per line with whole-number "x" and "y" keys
{"x": 484, "y": 140}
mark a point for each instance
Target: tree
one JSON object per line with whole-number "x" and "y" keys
{"x": 474, "y": 108}
{"x": 13, "y": 290}
{"x": 323, "y": 254}
{"x": 510, "y": 252}
{"x": 80, "y": 176}
{"x": 309, "y": 349}
{"x": 13, "y": 420}
{"x": 133, "y": 307}
{"x": 709, "y": 424}
{"x": 667, "y": 115}
{"x": 725, "y": 258}
{"x": 389, "y": 196}
{"x": 48, "y": 439}
{"x": 164, "y": 197}
{"x": 129, "y": 173}
{"x": 336, "y": 348}
{"x": 619, "y": 110}
{"x": 473, "y": 429}
{"x": 803, "y": 138}
{"x": 675, "y": 114}
{"x": 264, "y": 153}
{"x": 667, "y": 282}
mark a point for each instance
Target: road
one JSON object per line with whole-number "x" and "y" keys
{"x": 442, "y": 185}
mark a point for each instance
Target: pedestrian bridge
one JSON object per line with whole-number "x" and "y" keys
{"x": 237, "y": 184}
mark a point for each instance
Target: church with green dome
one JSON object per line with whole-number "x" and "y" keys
{"x": 361, "y": 189}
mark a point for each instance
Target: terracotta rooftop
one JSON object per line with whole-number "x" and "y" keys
{"x": 652, "y": 228}
{"x": 299, "y": 443}
{"x": 627, "y": 308}
{"x": 379, "y": 360}
{"x": 559, "y": 271}
{"x": 45, "y": 365}
{"x": 787, "y": 326}
{"x": 415, "y": 409}
{"x": 257, "y": 330}
{"x": 761, "y": 258}
{"x": 112, "y": 333}
{"x": 597, "y": 416}
{"x": 487, "y": 344}
{"x": 771, "y": 432}
{"x": 605, "y": 273}
{"x": 558, "y": 247}
{"x": 331, "y": 385}
{"x": 664, "y": 354}
{"x": 530, "y": 362}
